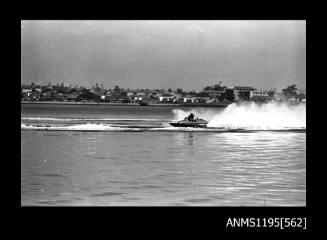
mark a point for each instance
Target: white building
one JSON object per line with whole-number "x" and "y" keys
{"x": 243, "y": 93}
{"x": 260, "y": 93}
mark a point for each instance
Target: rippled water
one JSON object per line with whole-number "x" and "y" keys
{"x": 156, "y": 167}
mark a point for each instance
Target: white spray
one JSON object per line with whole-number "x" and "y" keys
{"x": 253, "y": 116}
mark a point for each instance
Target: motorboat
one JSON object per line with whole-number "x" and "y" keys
{"x": 190, "y": 122}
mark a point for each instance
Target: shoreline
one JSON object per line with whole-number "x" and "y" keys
{"x": 205, "y": 105}
{"x": 128, "y": 104}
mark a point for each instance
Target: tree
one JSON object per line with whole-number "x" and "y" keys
{"x": 272, "y": 93}
{"x": 217, "y": 87}
{"x": 116, "y": 88}
{"x": 72, "y": 90}
{"x": 203, "y": 94}
{"x": 207, "y": 88}
{"x": 87, "y": 95}
{"x": 290, "y": 91}
{"x": 169, "y": 90}
{"x": 179, "y": 90}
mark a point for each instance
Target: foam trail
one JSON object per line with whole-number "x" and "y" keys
{"x": 46, "y": 119}
{"x": 261, "y": 116}
{"x": 88, "y": 119}
{"x": 79, "y": 127}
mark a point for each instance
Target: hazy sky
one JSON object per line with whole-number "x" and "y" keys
{"x": 163, "y": 54}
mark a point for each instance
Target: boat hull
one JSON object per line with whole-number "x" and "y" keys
{"x": 193, "y": 125}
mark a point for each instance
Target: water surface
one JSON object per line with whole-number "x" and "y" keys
{"x": 180, "y": 167}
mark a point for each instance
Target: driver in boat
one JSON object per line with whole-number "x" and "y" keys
{"x": 191, "y": 118}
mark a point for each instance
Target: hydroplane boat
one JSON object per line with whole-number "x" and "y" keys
{"x": 190, "y": 121}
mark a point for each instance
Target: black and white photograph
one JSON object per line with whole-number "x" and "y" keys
{"x": 163, "y": 113}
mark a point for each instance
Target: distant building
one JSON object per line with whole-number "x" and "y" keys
{"x": 188, "y": 99}
{"x": 229, "y": 94}
{"x": 200, "y": 100}
{"x": 167, "y": 98}
{"x": 180, "y": 100}
{"x": 39, "y": 90}
{"x": 214, "y": 94}
{"x": 243, "y": 93}
{"x": 118, "y": 94}
{"x": 262, "y": 95}
{"x": 27, "y": 90}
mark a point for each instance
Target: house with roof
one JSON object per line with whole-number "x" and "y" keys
{"x": 167, "y": 98}
{"x": 243, "y": 93}
{"x": 27, "y": 92}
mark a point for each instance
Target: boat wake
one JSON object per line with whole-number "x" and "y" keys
{"x": 252, "y": 116}
{"x": 90, "y": 119}
{"x": 249, "y": 117}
